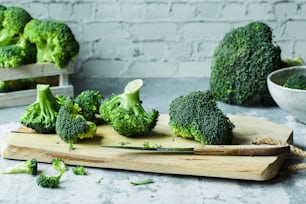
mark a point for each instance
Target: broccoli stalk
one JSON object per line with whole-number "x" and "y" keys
{"x": 71, "y": 126}
{"x": 41, "y": 115}
{"x": 46, "y": 181}
{"x": 27, "y": 167}
{"x": 125, "y": 112}
{"x": 196, "y": 116}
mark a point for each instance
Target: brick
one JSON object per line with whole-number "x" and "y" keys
{"x": 182, "y": 11}
{"x": 99, "y": 68}
{"x": 302, "y": 10}
{"x": 205, "y": 30}
{"x": 157, "y": 10}
{"x": 209, "y": 10}
{"x": 60, "y": 11}
{"x": 132, "y": 11}
{"x": 195, "y": 68}
{"x": 37, "y": 10}
{"x": 286, "y": 47}
{"x": 285, "y": 10}
{"x": 179, "y": 50}
{"x": 154, "y": 31}
{"x": 154, "y": 50}
{"x": 82, "y": 11}
{"x": 107, "y": 11}
{"x": 295, "y": 30}
{"x": 151, "y": 69}
{"x": 234, "y": 10}
{"x": 300, "y": 49}
{"x": 260, "y": 10}
{"x": 204, "y": 49}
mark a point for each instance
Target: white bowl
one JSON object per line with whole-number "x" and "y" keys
{"x": 292, "y": 101}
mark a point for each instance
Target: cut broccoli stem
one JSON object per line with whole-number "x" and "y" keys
{"x": 27, "y": 167}
{"x": 130, "y": 97}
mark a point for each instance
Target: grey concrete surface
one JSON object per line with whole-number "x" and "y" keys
{"x": 113, "y": 186}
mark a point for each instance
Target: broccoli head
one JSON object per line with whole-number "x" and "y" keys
{"x": 27, "y": 167}
{"x": 296, "y": 81}
{"x": 54, "y": 41}
{"x": 71, "y": 125}
{"x": 241, "y": 63}
{"x": 14, "y": 20}
{"x": 89, "y": 101}
{"x": 46, "y": 181}
{"x": 41, "y": 115}
{"x": 125, "y": 112}
{"x": 17, "y": 84}
{"x": 196, "y": 116}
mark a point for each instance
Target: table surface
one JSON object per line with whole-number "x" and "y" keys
{"x": 113, "y": 186}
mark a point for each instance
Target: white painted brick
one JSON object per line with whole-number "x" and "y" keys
{"x": 182, "y": 11}
{"x": 107, "y": 11}
{"x": 152, "y": 69}
{"x": 194, "y": 68}
{"x": 234, "y": 10}
{"x": 132, "y": 11}
{"x": 154, "y": 50}
{"x": 37, "y": 10}
{"x": 82, "y": 11}
{"x": 295, "y": 30}
{"x": 179, "y": 50}
{"x": 157, "y": 10}
{"x": 209, "y": 10}
{"x": 60, "y": 11}
{"x": 286, "y": 47}
{"x": 302, "y": 10}
{"x": 203, "y": 49}
{"x": 260, "y": 10}
{"x": 154, "y": 31}
{"x": 286, "y": 10}
{"x": 299, "y": 49}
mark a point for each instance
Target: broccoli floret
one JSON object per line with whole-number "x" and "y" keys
{"x": 52, "y": 181}
{"x": 2, "y": 10}
{"x": 54, "y": 40}
{"x": 41, "y": 115}
{"x": 196, "y": 116}
{"x": 27, "y": 167}
{"x": 297, "y": 61}
{"x": 71, "y": 125}
{"x": 13, "y": 23}
{"x": 90, "y": 101}
{"x": 79, "y": 170}
{"x": 125, "y": 112}
{"x": 296, "y": 81}
{"x": 17, "y": 84}
{"x": 241, "y": 63}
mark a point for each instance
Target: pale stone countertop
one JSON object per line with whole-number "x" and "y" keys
{"x": 113, "y": 186}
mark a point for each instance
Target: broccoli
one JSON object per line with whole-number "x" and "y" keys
{"x": 89, "y": 101}
{"x": 296, "y": 81}
{"x": 241, "y": 63}
{"x": 46, "y": 181}
{"x": 71, "y": 125}
{"x": 27, "y": 167}
{"x": 196, "y": 116}
{"x": 54, "y": 41}
{"x": 297, "y": 61}
{"x": 17, "y": 84}
{"x": 125, "y": 112}
{"x": 79, "y": 170}
{"x": 14, "y": 20}
{"x": 41, "y": 115}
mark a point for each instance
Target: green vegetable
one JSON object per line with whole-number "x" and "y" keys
{"x": 71, "y": 125}
{"x": 12, "y": 21}
{"x": 79, "y": 170}
{"x": 125, "y": 112}
{"x": 296, "y": 81}
{"x": 297, "y": 61}
{"x": 241, "y": 63}
{"x": 54, "y": 40}
{"x": 142, "y": 182}
{"x": 16, "y": 85}
{"x": 27, "y": 167}
{"x": 41, "y": 115}
{"x": 46, "y": 181}
{"x": 196, "y": 116}
{"x": 146, "y": 144}
{"x": 89, "y": 101}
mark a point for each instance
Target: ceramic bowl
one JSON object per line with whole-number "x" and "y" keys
{"x": 292, "y": 101}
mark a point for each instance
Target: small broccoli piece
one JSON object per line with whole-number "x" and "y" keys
{"x": 17, "y": 84}
{"x": 54, "y": 41}
{"x": 196, "y": 116}
{"x": 79, "y": 170}
{"x": 71, "y": 124}
{"x": 27, "y": 167}
{"x": 90, "y": 101}
{"x": 297, "y": 61}
{"x": 46, "y": 181}
{"x": 125, "y": 112}
{"x": 241, "y": 63}
{"x": 14, "y": 19}
{"x": 41, "y": 115}
{"x": 296, "y": 81}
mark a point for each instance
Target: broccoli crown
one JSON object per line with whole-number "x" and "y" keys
{"x": 196, "y": 116}
{"x": 27, "y": 167}
{"x": 71, "y": 124}
{"x": 14, "y": 20}
{"x": 125, "y": 112}
{"x": 54, "y": 40}
{"x": 48, "y": 181}
{"x": 17, "y": 84}
{"x": 296, "y": 81}
{"x": 2, "y": 9}
{"x": 41, "y": 115}
{"x": 241, "y": 63}
{"x": 79, "y": 170}
{"x": 89, "y": 101}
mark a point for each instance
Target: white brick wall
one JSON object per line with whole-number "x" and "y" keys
{"x": 164, "y": 38}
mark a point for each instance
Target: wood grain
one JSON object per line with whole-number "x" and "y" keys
{"x": 44, "y": 148}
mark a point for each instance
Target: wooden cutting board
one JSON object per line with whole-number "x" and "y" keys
{"x": 44, "y": 148}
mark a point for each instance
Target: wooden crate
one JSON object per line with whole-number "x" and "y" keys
{"x": 25, "y": 97}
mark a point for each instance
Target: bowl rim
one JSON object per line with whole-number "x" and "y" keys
{"x": 285, "y": 69}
